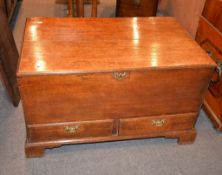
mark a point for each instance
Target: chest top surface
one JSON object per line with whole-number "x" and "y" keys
{"x": 67, "y": 45}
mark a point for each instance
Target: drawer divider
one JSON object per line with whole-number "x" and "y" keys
{"x": 115, "y": 130}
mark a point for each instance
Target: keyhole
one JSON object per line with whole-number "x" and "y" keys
{"x": 209, "y": 53}
{"x": 136, "y": 2}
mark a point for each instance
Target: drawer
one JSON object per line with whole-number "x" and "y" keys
{"x": 71, "y": 130}
{"x": 155, "y": 124}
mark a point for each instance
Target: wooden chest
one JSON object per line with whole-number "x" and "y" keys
{"x": 209, "y": 36}
{"x": 95, "y": 80}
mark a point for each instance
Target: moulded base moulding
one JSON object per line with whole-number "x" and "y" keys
{"x": 37, "y": 149}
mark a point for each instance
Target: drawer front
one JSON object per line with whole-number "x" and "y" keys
{"x": 66, "y": 131}
{"x": 100, "y": 96}
{"x": 155, "y": 124}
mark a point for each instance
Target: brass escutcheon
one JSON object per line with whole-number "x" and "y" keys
{"x": 71, "y": 129}
{"x": 159, "y": 123}
{"x": 120, "y": 75}
{"x": 136, "y": 3}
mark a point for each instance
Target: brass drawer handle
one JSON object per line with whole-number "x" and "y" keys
{"x": 71, "y": 129}
{"x": 159, "y": 123}
{"x": 120, "y": 75}
{"x": 218, "y": 70}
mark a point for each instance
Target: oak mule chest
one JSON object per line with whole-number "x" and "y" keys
{"x": 95, "y": 80}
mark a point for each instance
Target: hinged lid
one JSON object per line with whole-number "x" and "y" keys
{"x": 70, "y": 45}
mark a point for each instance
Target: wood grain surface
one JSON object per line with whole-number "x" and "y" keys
{"x": 123, "y": 43}
{"x": 212, "y": 12}
{"x": 8, "y": 58}
{"x": 144, "y": 125}
{"x": 66, "y": 98}
{"x": 95, "y": 80}
{"x": 209, "y": 36}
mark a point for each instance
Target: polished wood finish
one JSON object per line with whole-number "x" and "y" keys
{"x": 152, "y": 124}
{"x": 136, "y": 8}
{"x": 212, "y": 12}
{"x": 83, "y": 84}
{"x": 209, "y": 36}
{"x": 36, "y": 149}
{"x": 8, "y": 59}
{"x": 80, "y": 8}
{"x": 70, "y": 130}
{"x": 130, "y": 90}
{"x": 184, "y": 136}
{"x": 145, "y": 44}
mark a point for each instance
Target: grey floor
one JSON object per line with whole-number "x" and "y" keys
{"x": 149, "y": 156}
